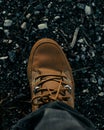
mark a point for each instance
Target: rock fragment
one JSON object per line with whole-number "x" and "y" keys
{"x": 28, "y": 15}
{"x": 3, "y": 57}
{"x": 8, "y": 23}
{"x": 42, "y": 26}
{"x": 101, "y": 94}
{"x": 23, "y": 25}
{"x": 88, "y": 10}
{"x": 6, "y": 31}
{"x": 12, "y": 55}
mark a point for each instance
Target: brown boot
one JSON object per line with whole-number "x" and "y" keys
{"x": 50, "y": 75}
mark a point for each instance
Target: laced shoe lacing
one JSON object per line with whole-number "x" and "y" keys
{"x": 43, "y": 95}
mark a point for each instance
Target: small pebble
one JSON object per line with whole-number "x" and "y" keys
{"x": 4, "y": 12}
{"x": 99, "y": 81}
{"x": 25, "y": 61}
{"x": 80, "y": 6}
{"x": 17, "y": 46}
{"x": 37, "y": 12}
{"x": 39, "y": 7}
{"x": 8, "y": 23}
{"x": 12, "y": 55}
{"x": 93, "y": 4}
{"x": 57, "y": 17}
{"x": 85, "y": 91}
{"x": 93, "y": 80}
{"x": 6, "y": 31}
{"x": 28, "y": 15}
{"x": 77, "y": 58}
{"x": 101, "y": 94}
{"x": 45, "y": 19}
{"x": 3, "y": 57}
{"x": 23, "y": 26}
{"x": 63, "y": 0}
{"x": 98, "y": 39}
{"x": 5, "y": 41}
{"x": 42, "y": 26}
{"x": 99, "y": 88}
{"x": 83, "y": 48}
{"x": 102, "y": 45}
{"x": 80, "y": 40}
{"x": 88, "y": 10}
{"x": 1, "y": 28}
{"x": 83, "y": 57}
{"x": 9, "y": 41}
{"x": 49, "y": 5}
{"x": 93, "y": 54}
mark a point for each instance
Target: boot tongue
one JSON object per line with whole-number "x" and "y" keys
{"x": 51, "y": 84}
{"x": 49, "y": 71}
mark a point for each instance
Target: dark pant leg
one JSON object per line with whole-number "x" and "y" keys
{"x": 54, "y": 116}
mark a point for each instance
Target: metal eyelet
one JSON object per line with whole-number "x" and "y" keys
{"x": 69, "y": 87}
{"x": 36, "y": 89}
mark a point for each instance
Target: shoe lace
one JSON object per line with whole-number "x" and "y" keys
{"x": 43, "y": 95}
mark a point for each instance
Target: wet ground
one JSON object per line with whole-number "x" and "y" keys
{"x": 78, "y": 26}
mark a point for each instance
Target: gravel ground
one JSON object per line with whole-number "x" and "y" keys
{"x": 78, "y": 26}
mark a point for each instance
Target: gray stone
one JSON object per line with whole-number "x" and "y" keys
{"x": 101, "y": 94}
{"x": 93, "y": 80}
{"x": 83, "y": 57}
{"x": 99, "y": 81}
{"x": 42, "y": 26}
{"x": 83, "y": 48}
{"x": 77, "y": 58}
{"x": 4, "y": 12}
{"x": 63, "y": 0}
{"x": 93, "y": 54}
{"x": 12, "y": 55}
{"x": 28, "y": 15}
{"x": 99, "y": 38}
{"x": 23, "y": 25}
{"x": 8, "y": 23}
{"x": 7, "y": 41}
{"x": 80, "y": 6}
{"x": 93, "y": 4}
{"x": 6, "y": 31}
{"x": 86, "y": 91}
{"x": 99, "y": 88}
{"x": 1, "y": 28}
{"x": 45, "y": 19}
{"x": 37, "y": 12}
{"x": 57, "y": 17}
{"x": 88, "y": 10}
{"x": 17, "y": 46}
{"x": 49, "y": 5}
{"x": 80, "y": 41}
{"x": 3, "y": 57}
